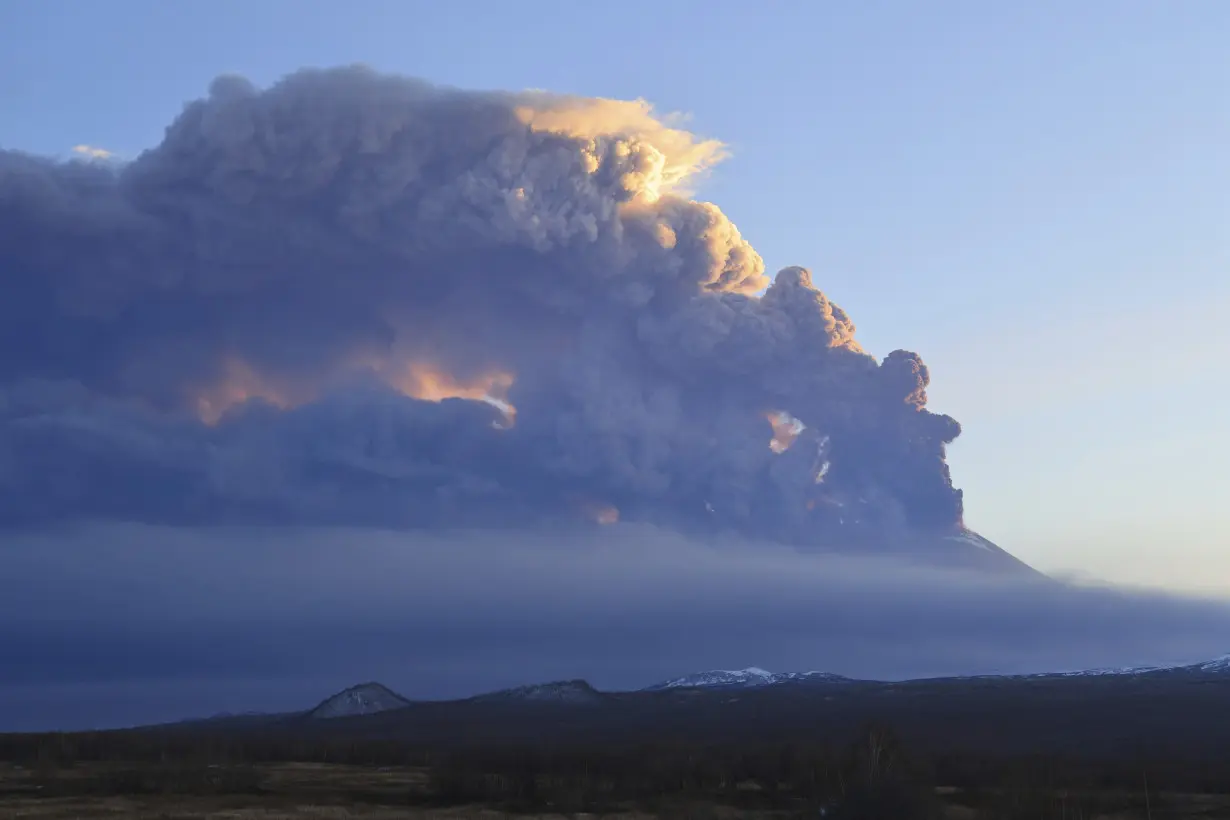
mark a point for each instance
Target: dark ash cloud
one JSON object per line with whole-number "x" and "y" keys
{"x": 115, "y": 624}
{"x": 254, "y": 321}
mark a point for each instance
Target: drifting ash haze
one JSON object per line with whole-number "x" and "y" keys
{"x": 356, "y": 298}
{"x": 151, "y": 623}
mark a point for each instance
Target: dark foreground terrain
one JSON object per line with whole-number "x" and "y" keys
{"x": 267, "y": 791}
{"x": 1147, "y": 746}
{"x": 866, "y": 781}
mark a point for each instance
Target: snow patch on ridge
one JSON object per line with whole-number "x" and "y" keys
{"x": 568, "y": 691}
{"x": 364, "y": 699}
{"x": 752, "y": 676}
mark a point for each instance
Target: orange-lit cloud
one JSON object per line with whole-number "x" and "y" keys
{"x": 431, "y": 383}
{"x": 786, "y": 429}
{"x": 239, "y": 383}
{"x": 667, "y": 156}
{"x": 92, "y": 152}
{"x": 600, "y": 513}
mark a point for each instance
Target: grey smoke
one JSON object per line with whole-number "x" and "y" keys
{"x": 227, "y": 328}
{"x": 109, "y": 624}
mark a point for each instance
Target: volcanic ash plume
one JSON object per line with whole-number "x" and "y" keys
{"x": 361, "y": 298}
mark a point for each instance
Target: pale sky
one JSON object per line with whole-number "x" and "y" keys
{"x": 1032, "y": 196}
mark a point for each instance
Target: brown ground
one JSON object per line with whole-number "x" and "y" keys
{"x": 298, "y": 791}
{"x": 331, "y": 792}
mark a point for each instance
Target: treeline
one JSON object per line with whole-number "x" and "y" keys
{"x": 205, "y": 746}
{"x": 873, "y": 774}
{"x": 874, "y": 770}
{"x": 870, "y": 775}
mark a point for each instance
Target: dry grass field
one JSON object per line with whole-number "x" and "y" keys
{"x": 290, "y": 791}
{"x": 335, "y": 792}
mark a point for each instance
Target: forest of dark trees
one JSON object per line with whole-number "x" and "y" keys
{"x": 867, "y": 775}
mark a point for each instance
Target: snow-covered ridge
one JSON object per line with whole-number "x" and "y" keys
{"x": 974, "y": 540}
{"x": 1221, "y": 664}
{"x": 364, "y": 699}
{"x": 753, "y": 676}
{"x": 567, "y": 691}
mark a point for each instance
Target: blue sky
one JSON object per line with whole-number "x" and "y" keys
{"x": 1032, "y": 196}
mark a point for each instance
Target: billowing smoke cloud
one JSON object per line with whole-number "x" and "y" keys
{"x": 361, "y": 298}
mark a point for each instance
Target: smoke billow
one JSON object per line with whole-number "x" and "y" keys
{"x": 356, "y": 298}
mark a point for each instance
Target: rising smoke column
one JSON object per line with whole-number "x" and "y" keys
{"x": 262, "y": 318}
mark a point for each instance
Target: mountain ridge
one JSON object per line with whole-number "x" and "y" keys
{"x": 752, "y": 676}
{"x": 361, "y": 699}
{"x": 574, "y": 691}
{"x": 373, "y": 698}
